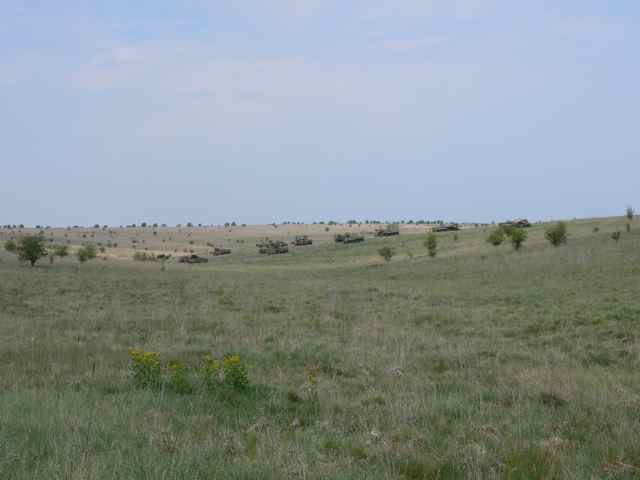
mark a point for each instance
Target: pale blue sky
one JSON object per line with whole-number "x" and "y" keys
{"x": 119, "y": 112}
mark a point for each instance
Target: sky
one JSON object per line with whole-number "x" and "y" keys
{"x": 258, "y": 111}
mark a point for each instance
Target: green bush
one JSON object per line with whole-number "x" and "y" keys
{"x": 496, "y": 236}
{"x": 235, "y": 371}
{"x": 431, "y": 243}
{"x": 145, "y": 369}
{"x": 179, "y": 377}
{"x": 616, "y": 235}
{"x": 556, "y": 234}
{"x": 11, "y": 246}
{"x": 87, "y": 252}
{"x": 386, "y": 253}
{"x": 210, "y": 372}
{"x": 518, "y": 237}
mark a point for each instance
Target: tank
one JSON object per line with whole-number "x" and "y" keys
{"x": 192, "y": 259}
{"x": 272, "y": 247}
{"x": 388, "y": 231}
{"x": 302, "y": 240}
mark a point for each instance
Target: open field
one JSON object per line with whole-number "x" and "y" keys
{"x": 479, "y": 363}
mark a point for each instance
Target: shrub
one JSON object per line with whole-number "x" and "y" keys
{"x": 210, "y": 372}
{"x": 31, "y": 249}
{"x": 145, "y": 369}
{"x": 144, "y": 257}
{"x": 616, "y": 235}
{"x": 518, "y": 236}
{"x": 596, "y": 229}
{"x": 11, "y": 246}
{"x": 386, "y": 253}
{"x": 431, "y": 243}
{"x": 60, "y": 251}
{"x": 556, "y": 234}
{"x": 179, "y": 377}
{"x": 87, "y": 252}
{"x": 628, "y": 227}
{"x": 235, "y": 371}
{"x": 496, "y": 236}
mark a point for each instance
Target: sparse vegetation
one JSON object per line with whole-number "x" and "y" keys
{"x": 413, "y": 370}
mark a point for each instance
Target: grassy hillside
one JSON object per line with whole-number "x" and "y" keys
{"x": 479, "y": 363}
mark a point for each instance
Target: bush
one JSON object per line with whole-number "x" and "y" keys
{"x": 210, "y": 372}
{"x": 144, "y": 257}
{"x": 235, "y": 371}
{"x": 496, "y": 237}
{"x": 87, "y": 252}
{"x": 386, "y": 253}
{"x": 60, "y": 251}
{"x": 145, "y": 369}
{"x": 616, "y": 235}
{"x": 431, "y": 243}
{"x": 518, "y": 236}
{"x": 179, "y": 377}
{"x": 31, "y": 249}
{"x": 11, "y": 246}
{"x": 556, "y": 234}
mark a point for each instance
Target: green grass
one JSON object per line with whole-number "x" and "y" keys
{"x": 480, "y": 363}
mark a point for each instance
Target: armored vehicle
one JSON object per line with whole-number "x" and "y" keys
{"x": 192, "y": 259}
{"x": 388, "y": 231}
{"x": 448, "y": 227}
{"x": 520, "y": 223}
{"x": 302, "y": 240}
{"x": 272, "y": 247}
{"x": 348, "y": 238}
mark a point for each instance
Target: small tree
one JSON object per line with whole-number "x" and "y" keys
{"x": 630, "y": 213}
{"x": 31, "y": 249}
{"x": 518, "y": 236}
{"x": 496, "y": 237}
{"x": 431, "y": 243}
{"x": 386, "y": 253}
{"x": 556, "y": 234}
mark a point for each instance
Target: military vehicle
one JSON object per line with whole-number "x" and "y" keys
{"x": 520, "y": 223}
{"x": 272, "y": 247}
{"x": 448, "y": 227}
{"x": 302, "y": 240}
{"x": 217, "y": 251}
{"x": 192, "y": 259}
{"x": 388, "y": 231}
{"x": 348, "y": 238}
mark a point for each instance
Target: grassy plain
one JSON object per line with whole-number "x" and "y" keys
{"x": 479, "y": 363}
